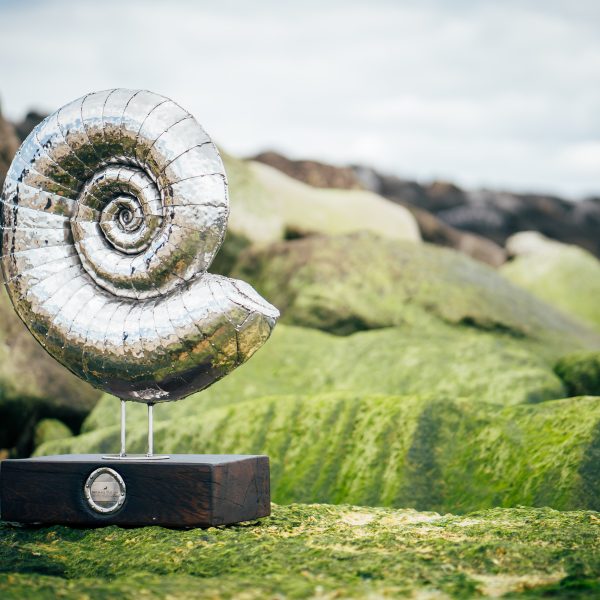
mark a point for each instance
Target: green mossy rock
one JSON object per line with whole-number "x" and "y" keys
{"x": 580, "y": 373}
{"x": 314, "y": 551}
{"x": 445, "y": 361}
{"x": 50, "y": 430}
{"x": 429, "y": 453}
{"x": 349, "y": 283}
{"x": 33, "y": 385}
{"x": 565, "y": 276}
{"x": 267, "y": 205}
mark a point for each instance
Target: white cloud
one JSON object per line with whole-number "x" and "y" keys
{"x": 485, "y": 93}
{"x": 583, "y": 157}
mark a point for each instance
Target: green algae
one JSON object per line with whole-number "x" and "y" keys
{"x": 580, "y": 373}
{"x": 567, "y": 277}
{"x": 48, "y": 430}
{"x": 425, "y": 452}
{"x": 306, "y": 551}
{"x": 454, "y": 362}
{"x": 349, "y": 283}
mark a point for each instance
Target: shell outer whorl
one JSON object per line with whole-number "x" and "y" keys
{"x": 111, "y": 213}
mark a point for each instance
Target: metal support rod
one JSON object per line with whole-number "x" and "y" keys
{"x": 150, "y": 430}
{"x": 123, "y": 429}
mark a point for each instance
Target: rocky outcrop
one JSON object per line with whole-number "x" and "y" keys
{"x": 344, "y": 284}
{"x": 32, "y": 118}
{"x": 565, "y": 276}
{"x": 435, "y": 231}
{"x": 267, "y": 205}
{"x": 495, "y": 215}
{"x": 432, "y": 229}
{"x": 312, "y": 172}
{"x": 9, "y": 144}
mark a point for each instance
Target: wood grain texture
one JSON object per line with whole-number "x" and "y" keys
{"x": 193, "y": 490}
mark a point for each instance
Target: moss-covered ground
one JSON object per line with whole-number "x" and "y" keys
{"x": 317, "y": 551}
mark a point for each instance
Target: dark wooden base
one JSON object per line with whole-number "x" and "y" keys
{"x": 186, "y": 490}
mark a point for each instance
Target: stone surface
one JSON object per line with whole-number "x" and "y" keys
{"x": 432, "y": 229}
{"x": 565, "y": 276}
{"x": 435, "y": 231}
{"x": 348, "y": 283}
{"x": 9, "y": 144}
{"x": 314, "y": 551}
{"x": 267, "y": 205}
{"x": 495, "y": 214}
{"x": 312, "y": 172}
{"x": 405, "y": 451}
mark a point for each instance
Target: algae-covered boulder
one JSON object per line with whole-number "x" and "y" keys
{"x": 33, "y": 385}
{"x": 50, "y": 430}
{"x": 565, "y": 276}
{"x": 431, "y": 228}
{"x": 580, "y": 373}
{"x": 445, "y": 361}
{"x": 429, "y": 453}
{"x": 267, "y": 205}
{"x": 314, "y": 551}
{"x": 360, "y": 281}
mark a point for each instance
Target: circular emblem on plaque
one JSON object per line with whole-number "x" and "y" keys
{"x": 105, "y": 491}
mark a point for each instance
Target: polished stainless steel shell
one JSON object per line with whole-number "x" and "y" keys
{"x": 112, "y": 212}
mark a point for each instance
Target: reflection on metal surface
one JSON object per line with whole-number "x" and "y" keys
{"x": 111, "y": 214}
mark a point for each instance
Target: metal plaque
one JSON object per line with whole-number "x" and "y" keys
{"x": 105, "y": 491}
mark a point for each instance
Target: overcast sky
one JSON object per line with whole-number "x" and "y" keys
{"x": 498, "y": 94}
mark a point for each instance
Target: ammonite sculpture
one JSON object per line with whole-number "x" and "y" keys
{"x": 112, "y": 212}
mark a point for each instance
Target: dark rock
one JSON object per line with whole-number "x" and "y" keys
{"x": 495, "y": 215}
{"x": 435, "y": 231}
{"x": 24, "y": 127}
{"x": 432, "y": 229}
{"x": 580, "y": 372}
{"x": 314, "y": 173}
{"x": 9, "y": 144}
